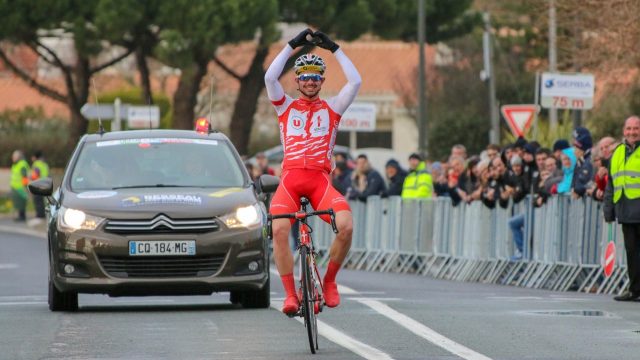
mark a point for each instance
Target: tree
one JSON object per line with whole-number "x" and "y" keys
{"x": 28, "y": 23}
{"x": 346, "y": 20}
{"x": 191, "y": 33}
{"x": 134, "y": 25}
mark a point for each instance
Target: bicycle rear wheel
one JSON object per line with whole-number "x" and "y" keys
{"x": 309, "y": 298}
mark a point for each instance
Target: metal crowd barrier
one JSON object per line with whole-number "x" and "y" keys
{"x": 563, "y": 242}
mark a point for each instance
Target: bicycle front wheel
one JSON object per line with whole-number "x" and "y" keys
{"x": 309, "y": 298}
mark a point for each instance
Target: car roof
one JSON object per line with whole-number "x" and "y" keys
{"x": 155, "y": 133}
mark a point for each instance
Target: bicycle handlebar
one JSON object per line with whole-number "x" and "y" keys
{"x": 300, "y": 215}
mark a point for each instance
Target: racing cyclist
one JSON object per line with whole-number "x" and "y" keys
{"x": 308, "y": 127}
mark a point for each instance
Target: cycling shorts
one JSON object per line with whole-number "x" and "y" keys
{"x": 315, "y": 185}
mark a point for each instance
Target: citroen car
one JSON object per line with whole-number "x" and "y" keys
{"x": 157, "y": 212}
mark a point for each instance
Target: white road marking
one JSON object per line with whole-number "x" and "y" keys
{"x": 424, "y": 331}
{"x": 23, "y": 303}
{"x": 23, "y": 297}
{"x": 9, "y": 266}
{"x": 334, "y": 335}
{"x": 29, "y": 232}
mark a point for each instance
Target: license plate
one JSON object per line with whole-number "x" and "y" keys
{"x": 162, "y": 247}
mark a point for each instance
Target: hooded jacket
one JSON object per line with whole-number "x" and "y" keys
{"x": 564, "y": 187}
{"x": 418, "y": 183}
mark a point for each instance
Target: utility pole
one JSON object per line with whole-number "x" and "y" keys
{"x": 422, "y": 114}
{"x": 488, "y": 75}
{"x": 553, "y": 59}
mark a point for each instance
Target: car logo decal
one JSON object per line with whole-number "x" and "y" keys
{"x": 225, "y": 192}
{"x": 154, "y": 199}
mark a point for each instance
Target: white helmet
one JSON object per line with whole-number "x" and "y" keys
{"x": 310, "y": 63}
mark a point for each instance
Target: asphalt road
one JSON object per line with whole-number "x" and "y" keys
{"x": 383, "y": 316}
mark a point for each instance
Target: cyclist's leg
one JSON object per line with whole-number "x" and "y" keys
{"x": 331, "y": 198}
{"x": 283, "y": 202}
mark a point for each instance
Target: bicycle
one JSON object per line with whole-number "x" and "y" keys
{"x": 310, "y": 290}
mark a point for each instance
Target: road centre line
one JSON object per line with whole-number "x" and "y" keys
{"x": 9, "y": 266}
{"x": 336, "y": 336}
{"x": 423, "y": 331}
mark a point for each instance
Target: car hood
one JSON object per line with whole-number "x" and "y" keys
{"x": 146, "y": 203}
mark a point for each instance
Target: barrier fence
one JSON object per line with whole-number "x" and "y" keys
{"x": 563, "y": 242}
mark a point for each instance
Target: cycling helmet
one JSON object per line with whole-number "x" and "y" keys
{"x": 309, "y": 63}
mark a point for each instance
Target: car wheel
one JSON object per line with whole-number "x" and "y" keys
{"x": 62, "y": 301}
{"x": 260, "y": 299}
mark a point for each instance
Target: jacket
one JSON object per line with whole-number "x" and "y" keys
{"x": 626, "y": 211}
{"x": 418, "y": 184}
{"x": 374, "y": 186}
{"x": 582, "y": 174}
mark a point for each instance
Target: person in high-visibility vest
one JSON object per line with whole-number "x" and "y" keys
{"x": 622, "y": 201}
{"x": 19, "y": 181}
{"x": 418, "y": 184}
{"x": 39, "y": 170}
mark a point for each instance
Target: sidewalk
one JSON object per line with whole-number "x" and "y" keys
{"x": 29, "y": 228}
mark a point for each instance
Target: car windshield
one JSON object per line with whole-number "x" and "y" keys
{"x": 156, "y": 162}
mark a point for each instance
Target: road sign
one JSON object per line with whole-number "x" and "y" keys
{"x": 609, "y": 261}
{"x": 359, "y": 117}
{"x": 143, "y": 117}
{"x": 567, "y": 91}
{"x": 93, "y": 111}
{"x": 519, "y": 117}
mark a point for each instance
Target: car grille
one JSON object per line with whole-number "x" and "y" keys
{"x": 162, "y": 266}
{"x": 161, "y": 224}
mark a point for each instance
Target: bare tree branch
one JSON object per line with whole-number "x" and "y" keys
{"x": 44, "y": 90}
{"x": 226, "y": 69}
{"x": 115, "y": 60}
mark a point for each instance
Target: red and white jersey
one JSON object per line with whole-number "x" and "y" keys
{"x": 308, "y": 129}
{"x": 308, "y": 132}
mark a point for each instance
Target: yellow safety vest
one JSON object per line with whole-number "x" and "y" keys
{"x": 418, "y": 184}
{"x": 625, "y": 174}
{"x": 43, "y": 167}
{"x": 16, "y": 174}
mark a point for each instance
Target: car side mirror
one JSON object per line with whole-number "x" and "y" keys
{"x": 42, "y": 187}
{"x": 267, "y": 184}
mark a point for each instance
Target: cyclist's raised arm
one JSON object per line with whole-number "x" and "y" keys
{"x": 275, "y": 92}
{"x": 341, "y": 102}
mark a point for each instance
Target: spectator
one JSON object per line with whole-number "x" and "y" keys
{"x": 483, "y": 174}
{"x": 622, "y": 202}
{"x": 583, "y": 172}
{"x": 439, "y": 178}
{"x": 568, "y": 159}
{"x": 396, "y": 175}
{"x": 600, "y": 178}
{"x": 262, "y": 165}
{"x": 18, "y": 184}
{"x": 467, "y": 180}
{"x": 418, "y": 184}
{"x": 39, "y": 170}
{"x": 558, "y": 146}
{"x": 496, "y": 189}
{"x": 529, "y": 161}
{"x": 365, "y": 181}
{"x": 458, "y": 150}
{"x": 506, "y": 155}
{"x": 493, "y": 151}
{"x": 536, "y": 183}
{"x": 341, "y": 177}
{"x": 518, "y": 146}
{"x": 606, "y": 145}
{"x": 517, "y": 184}
{"x": 551, "y": 178}
{"x": 342, "y": 157}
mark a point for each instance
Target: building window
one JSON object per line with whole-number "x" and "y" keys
{"x": 378, "y": 139}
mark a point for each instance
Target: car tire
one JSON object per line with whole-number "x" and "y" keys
{"x": 260, "y": 299}
{"x": 62, "y": 301}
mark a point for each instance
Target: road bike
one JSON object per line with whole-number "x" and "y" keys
{"x": 310, "y": 289}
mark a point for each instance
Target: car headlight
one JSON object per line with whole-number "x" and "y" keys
{"x": 72, "y": 220}
{"x": 246, "y": 216}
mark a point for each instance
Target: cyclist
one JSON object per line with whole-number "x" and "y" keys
{"x": 308, "y": 129}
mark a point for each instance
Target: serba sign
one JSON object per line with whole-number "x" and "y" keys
{"x": 570, "y": 85}
{"x": 359, "y": 117}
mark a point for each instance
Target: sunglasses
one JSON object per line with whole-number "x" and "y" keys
{"x": 307, "y": 77}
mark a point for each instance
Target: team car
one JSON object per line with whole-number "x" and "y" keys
{"x": 157, "y": 212}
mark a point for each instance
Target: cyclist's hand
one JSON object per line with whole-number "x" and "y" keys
{"x": 301, "y": 39}
{"x": 325, "y": 42}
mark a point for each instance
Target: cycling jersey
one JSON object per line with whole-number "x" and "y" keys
{"x": 308, "y": 129}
